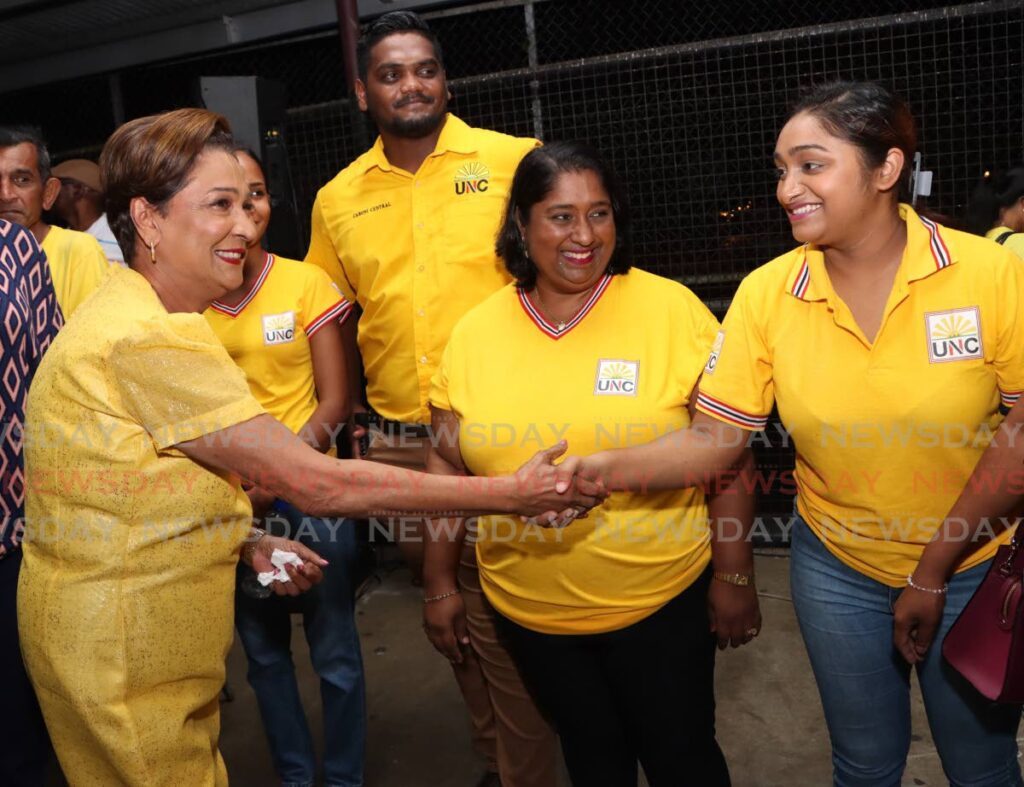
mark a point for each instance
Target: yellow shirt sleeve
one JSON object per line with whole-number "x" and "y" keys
{"x": 737, "y": 386}
{"x": 692, "y": 361}
{"x": 1009, "y": 356}
{"x": 322, "y": 303}
{"x": 178, "y": 382}
{"x": 324, "y": 255}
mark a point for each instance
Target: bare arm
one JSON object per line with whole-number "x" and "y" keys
{"x": 444, "y": 619}
{"x": 695, "y": 456}
{"x": 353, "y": 376}
{"x": 266, "y": 453}
{"x": 330, "y": 375}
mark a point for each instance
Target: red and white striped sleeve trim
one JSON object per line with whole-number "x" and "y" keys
{"x": 339, "y": 311}
{"x": 1009, "y": 398}
{"x": 724, "y": 412}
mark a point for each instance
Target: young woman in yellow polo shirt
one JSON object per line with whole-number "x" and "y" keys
{"x": 889, "y": 344}
{"x": 282, "y": 326}
{"x": 996, "y": 209}
{"x": 607, "y": 619}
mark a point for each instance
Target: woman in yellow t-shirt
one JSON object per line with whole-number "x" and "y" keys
{"x": 283, "y": 329}
{"x": 996, "y": 209}
{"x": 606, "y": 619}
{"x": 138, "y": 428}
{"x": 889, "y": 344}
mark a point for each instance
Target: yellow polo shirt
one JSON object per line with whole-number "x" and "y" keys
{"x": 77, "y": 264}
{"x": 416, "y": 252}
{"x": 267, "y": 334}
{"x": 1014, "y": 243}
{"x": 886, "y": 432}
{"x": 619, "y": 374}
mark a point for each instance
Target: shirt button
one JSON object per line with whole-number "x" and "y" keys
{"x": 420, "y": 225}
{"x": 423, "y": 359}
{"x": 421, "y": 313}
{"x": 419, "y": 268}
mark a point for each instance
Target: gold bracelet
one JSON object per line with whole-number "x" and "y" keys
{"x": 740, "y": 580}
{"x": 432, "y": 599}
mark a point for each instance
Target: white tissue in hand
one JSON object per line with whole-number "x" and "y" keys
{"x": 279, "y": 559}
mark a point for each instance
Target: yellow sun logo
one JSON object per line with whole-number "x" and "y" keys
{"x": 618, "y": 371}
{"x": 472, "y": 171}
{"x": 953, "y": 327}
{"x": 279, "y": 322}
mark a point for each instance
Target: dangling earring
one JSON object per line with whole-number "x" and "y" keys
{"x": 522, "y": 245}
{"x": 152, "y": 252}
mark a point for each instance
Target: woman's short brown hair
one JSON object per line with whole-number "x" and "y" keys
{"x": 152, "y": 157}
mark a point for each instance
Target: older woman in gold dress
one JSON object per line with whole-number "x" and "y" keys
{"x": 140, "y": 428}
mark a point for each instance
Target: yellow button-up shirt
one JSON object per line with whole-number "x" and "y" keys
{"x": 416, "y": 252}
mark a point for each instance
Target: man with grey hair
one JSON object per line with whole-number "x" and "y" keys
{"x": 27, "y": 188}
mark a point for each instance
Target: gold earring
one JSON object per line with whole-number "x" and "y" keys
{"x": 152, "y": 252}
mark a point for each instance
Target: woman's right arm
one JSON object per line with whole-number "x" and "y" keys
{"x": 266, "y": 453}
{"x": 444, "y": 613}
{"x": 695, "y": 456}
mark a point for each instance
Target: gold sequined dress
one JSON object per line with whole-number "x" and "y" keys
{"x": 126, "y": 591}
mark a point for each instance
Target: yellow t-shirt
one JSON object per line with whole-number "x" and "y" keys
{"x": 267, "y": 334}
{"x": 886, "y": 432}
{"x": 1014, "y": 243}
{"x": 416, "y": 252}
{"x": 619, "y": 374}
{"x": 77, "y": 264}
{"x": 125, "y": 603}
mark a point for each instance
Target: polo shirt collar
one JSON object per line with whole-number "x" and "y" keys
{"x": 456, "y": 137}
{"x": 929, "y": 249}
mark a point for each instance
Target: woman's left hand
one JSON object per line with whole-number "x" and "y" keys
{"x": 301, "y": 579}
{"x": 917, "y": 615}
{"x": 734, "y": 613}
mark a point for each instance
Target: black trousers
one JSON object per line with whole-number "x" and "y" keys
{"x": 643, "y": 694}
{"x": 25, "y": 750}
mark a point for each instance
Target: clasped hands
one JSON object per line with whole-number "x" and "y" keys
{"x": 553, "y": 495}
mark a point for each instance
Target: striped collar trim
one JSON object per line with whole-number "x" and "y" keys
{"x": 557, "y": 331}
{"x": 234, "y": 311}
{"x": 919, "y": 264}
{"x": 802, "y": 280}
{"x": 940, "y": 252}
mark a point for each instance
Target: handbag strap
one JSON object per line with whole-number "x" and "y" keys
{"x": 1006, "y": 567}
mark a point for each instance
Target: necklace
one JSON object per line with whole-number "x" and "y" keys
{"x": 560, "y": 324}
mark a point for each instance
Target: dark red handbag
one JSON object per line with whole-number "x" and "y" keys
{"x": 986, "y": 643}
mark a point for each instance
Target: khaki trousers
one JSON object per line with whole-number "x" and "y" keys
{"x": 508, "y": 730}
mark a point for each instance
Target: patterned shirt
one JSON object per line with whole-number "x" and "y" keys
{"x": 29, "y": 320}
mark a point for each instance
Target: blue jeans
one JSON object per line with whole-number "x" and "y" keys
{"x": 264, "y": 626}
{"x": 846, "y": 620}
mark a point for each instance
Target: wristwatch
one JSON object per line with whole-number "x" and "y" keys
{"x": 743, "y": 580}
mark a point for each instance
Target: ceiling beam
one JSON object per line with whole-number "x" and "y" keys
{"x": 288, "y": 18}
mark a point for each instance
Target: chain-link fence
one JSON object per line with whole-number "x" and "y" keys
{"x": 684, "y": 97}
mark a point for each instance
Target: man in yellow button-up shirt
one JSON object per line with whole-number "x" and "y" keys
{"x": 407, "y": 232}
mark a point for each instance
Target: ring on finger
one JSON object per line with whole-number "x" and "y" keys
{"x": 753, "y": 632}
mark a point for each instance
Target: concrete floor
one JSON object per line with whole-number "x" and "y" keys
{"x": 769, "y": 717}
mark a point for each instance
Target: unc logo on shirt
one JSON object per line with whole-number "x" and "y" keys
{"x": 954, "y": 335}
{"x": 617, "y": 378}
{"x": 716, "y": 350}
{"x": 471, "y": 178}
{"x": 278, "y": 328}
